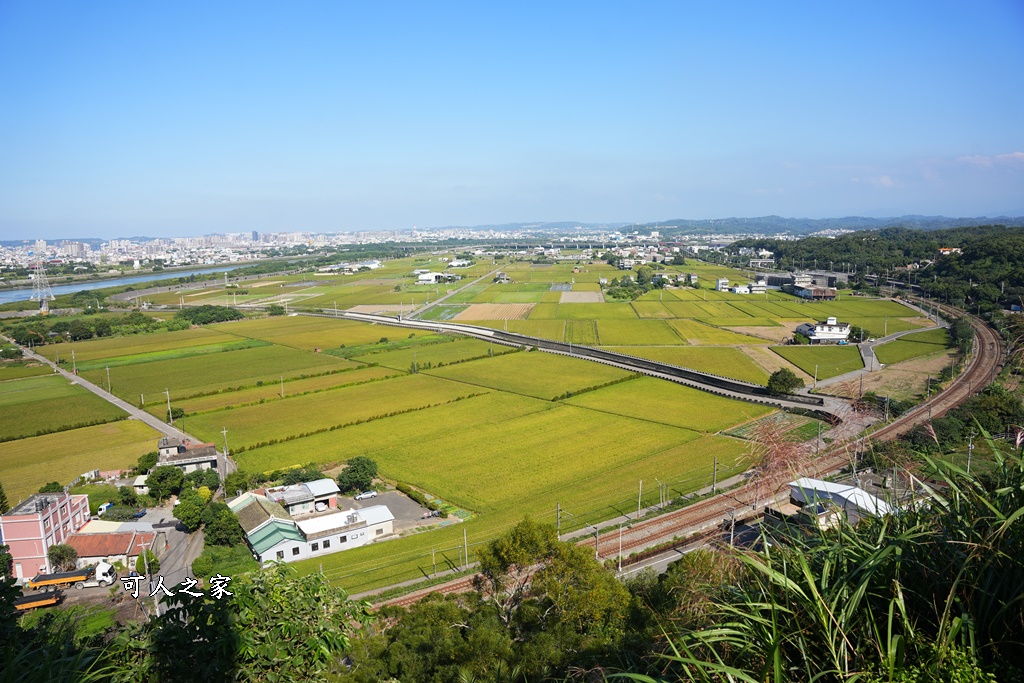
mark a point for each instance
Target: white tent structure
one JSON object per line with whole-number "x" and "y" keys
{"x": 856, "y": 502}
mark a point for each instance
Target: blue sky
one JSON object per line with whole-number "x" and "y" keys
{"x": 185, "y": 118}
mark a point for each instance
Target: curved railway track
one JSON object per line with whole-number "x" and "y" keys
{"x": 700, "y": 518}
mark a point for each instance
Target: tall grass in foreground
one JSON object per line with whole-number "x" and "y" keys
{"x": 933, "y": 593}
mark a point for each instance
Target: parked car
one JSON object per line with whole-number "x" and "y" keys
{"x": 366, "y": 494}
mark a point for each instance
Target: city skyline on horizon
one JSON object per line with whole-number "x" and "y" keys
{"x": 189, "y": 120}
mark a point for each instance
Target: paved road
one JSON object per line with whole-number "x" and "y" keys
{"x": 135, "y": 413}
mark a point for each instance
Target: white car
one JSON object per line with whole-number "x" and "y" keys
{"x": 366, "y": 494}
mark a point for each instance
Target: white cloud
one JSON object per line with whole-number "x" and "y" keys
{"x": 1013, "y": 158}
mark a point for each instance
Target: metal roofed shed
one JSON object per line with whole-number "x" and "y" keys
{"x": 322, "y": 487}
{"x": 856, "y": 502}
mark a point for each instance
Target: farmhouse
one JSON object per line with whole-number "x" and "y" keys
{"x": 822, "y": 332}
{"x": 740, "y": 289}
{"x": 110, "y": 547}
{"x": 460, "y": 263}
{"x": 303, "y": 499}
{"x": 758, "y": 287}
{"x": 273, "y": 535}
{"x": 722, "y": 284}
{"x": 186, "y": 456}
{"x": 815, "y": 293}
{"x": 40, "y": 521}
{"x": 140, "y": 486}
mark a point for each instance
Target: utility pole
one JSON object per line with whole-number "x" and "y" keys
{"x": 639, "y": 498}
{"x": 815, "y": 375}
{"x": 714, "y": 477}
{"x": 433, "y": 558}
{"x": 970, "y": 451}
{"x": 465, "y": 542}
{"x": 558, "y": 521}
{"x": 224, "y": 431}
{"x": 74, "y": 365}
{"x": 170, "y": 416}
{"x": 282, "y": 386}
{"x": 108, "y": 379}
{"x": 620, "y": 547}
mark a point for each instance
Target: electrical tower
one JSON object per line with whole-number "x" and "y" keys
{"x": 41, "y": 289}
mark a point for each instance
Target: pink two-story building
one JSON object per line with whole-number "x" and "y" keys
{"x": 40, "y": 521}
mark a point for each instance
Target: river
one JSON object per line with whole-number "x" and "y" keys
{"x": 23, "y": 293}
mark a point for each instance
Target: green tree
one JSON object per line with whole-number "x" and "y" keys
{"x": 189, "y": 509}
{"x": 164, "y": 481}
{"x": 51, "y": 487}
{"x": 146, "y": 462}
{"x": 197, "y": 478}
{"x": 79, "y": 330}
{"x": 275, "y": 310}
{"x": 358, "y": 474}
{"x": 147, "y": 559}
{"x": 4, "y": 505}
{"x": 239, "y": 480}
{"x": 102, "y": 327}
{"x": 644, "y": 275}
{"x": 62, "y": 557}
{"x": 126, "y": 496}
{"x": 275, "y": 626}
{"x": 220, "y": 525}
{"x": 784, "y": 381}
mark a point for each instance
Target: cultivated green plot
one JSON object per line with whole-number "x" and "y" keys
{"x": 581, "y": 332}
{"x": 517, "y": 297}
{"x": 27, "y": 464}
{"x": 586, "y": 287}
{"x": 272, "y": 391}
{"x": 10, "y": 371}
{"x": 699, "y": 334}
{"x": 636, "y": 333}
{"x": 868, "y": 309}
{"x": 547, "y": 311}
{"x": 900, "y": 350}
{"x": 651, "y": 309}
{"x": 602, "y": 495}
{"x": 937, "y": 335}
{"x": 109, "y": 347}
{"x": 202, "y": 374}
{"x": 309, "y": 333}
{"x": 311, "y": 412}
{"x": 41, "y": 405}
{"x": 468, "y": 294}
{"x": 670, "y": 403}
{"x": 596, "y": 312}
{"x": 686, "y": 309}
{"x": 827, "y": 361}
{"x": 543, "y": 329}
{"x": 171, "y": 354}
{"x": 880, "y": 327}
{"x": 538, "y": 374}
{"x": 393, "y": 433}
{"x": 722, "y": 360}
{"x": 454, "y": 351}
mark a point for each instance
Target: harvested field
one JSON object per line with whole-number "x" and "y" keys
{"x": 778, "y": 334}
{"x": 581, "y": 298}
{"x": 495, "y": 312}
{"x": 901, "y": 381}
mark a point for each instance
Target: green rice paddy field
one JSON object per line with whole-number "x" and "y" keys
{"x": 913, "y": 346}
{"x": 49, "y": 404}
{"x": 29, "y": 463}
{"x": 494, "y": 435}
{"x": 827, "y": 361}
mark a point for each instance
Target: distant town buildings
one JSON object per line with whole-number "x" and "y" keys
{"x": 825, "y": 332}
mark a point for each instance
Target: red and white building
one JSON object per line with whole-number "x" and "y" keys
{"x": 40, "y": 521}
